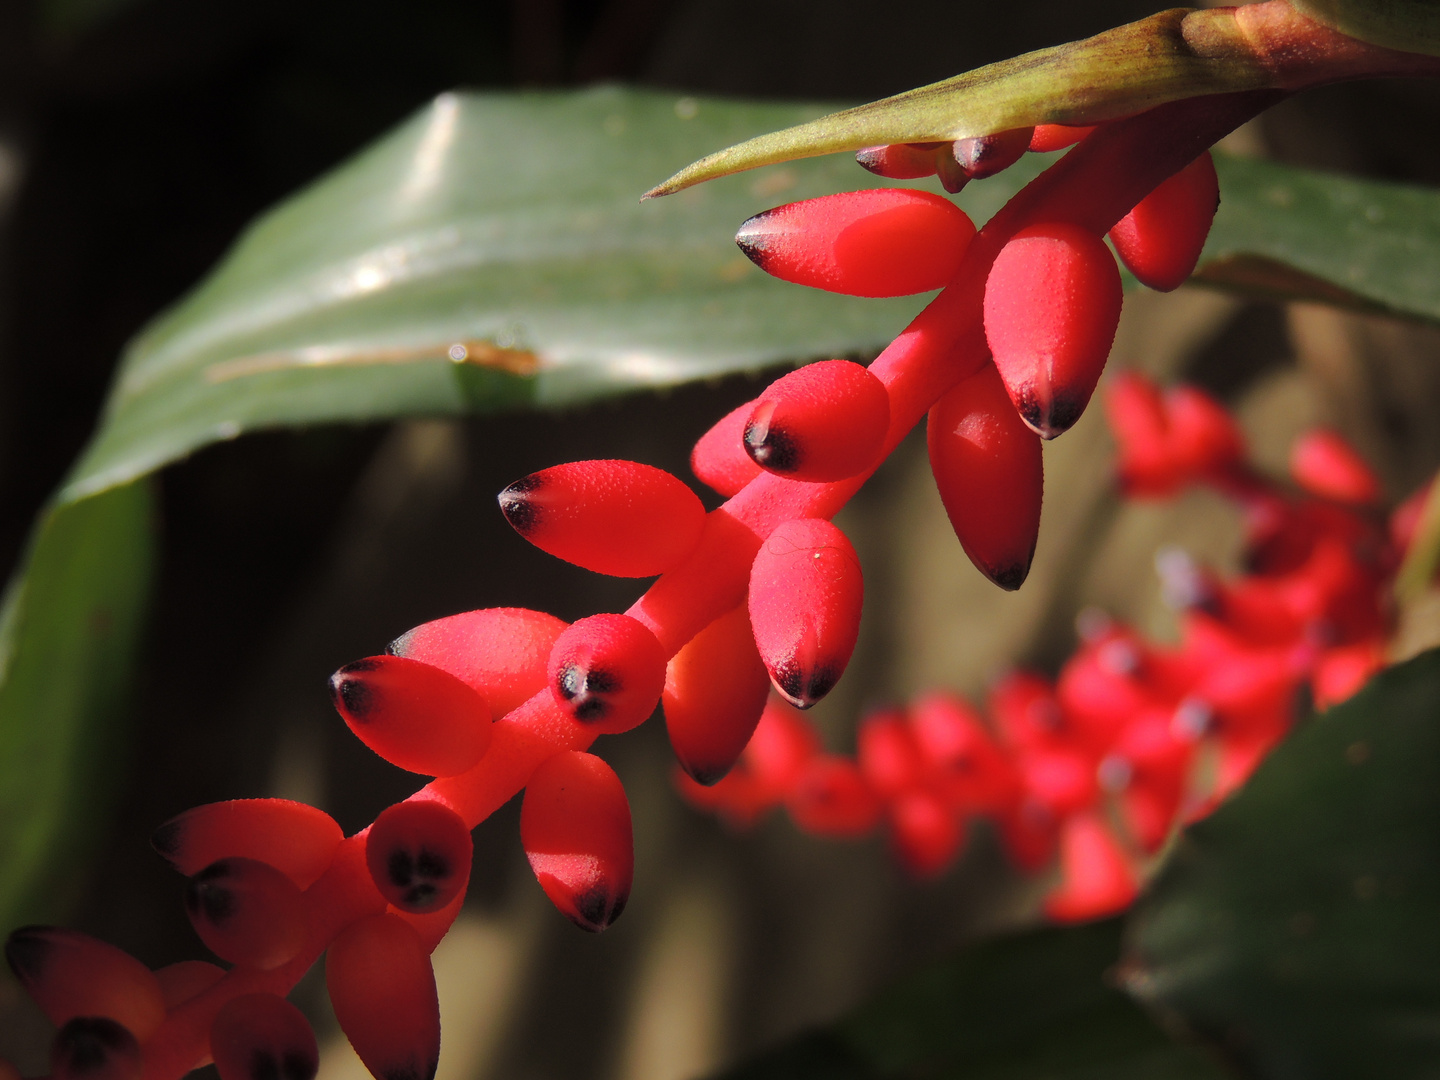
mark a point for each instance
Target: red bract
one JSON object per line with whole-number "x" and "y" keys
{"x": 607, "y": 672}
{"x": 715, "y": 690}
{"x": 263, "y": 1037}
{"x": 247, "y": 913}
{"x": 1047, "y": 138}
{"x": 69, "y": 974}
{"x": 825, "y": 422}
{"x": 901, "y": 161}
{"x": 575, "y": 825}
{"x": 296, "y": 839}
{"x": 500, "y": 653}
{"x": 987, "y": 155}
{"x": 719, "y": 459}
{"x": 613, "y": 517}
{"x": 881, "y": 242}
{"x": 806, "y": 591}
{"x": 1052, "y": 302}
{"x": 1098, "y": 878}
{"x": 412, "y": 714}
{"x": 1160, "y": 240}
{"x": 419, "y": 854}
{"x": 382, "y": 987}
{"x": 1326, "y": 465}
{"x": 987, "y": 465}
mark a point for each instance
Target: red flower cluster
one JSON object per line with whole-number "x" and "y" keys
{"x": 763, "y": 589}
{"x": 1132, "y": 739}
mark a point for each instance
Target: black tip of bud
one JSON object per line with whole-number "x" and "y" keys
{"x": 770, "y": 447}
{"x": 518, "y": 507}
{"x": 596, "y": 909}
{"x": 1009, "y": 577}
{"x": 86, "y": 1045}
{"x": 753, "y": 238}
{"x": 804, "y": 689}
{"x": 353, "y": 696}
{"x": 168, "y": 838}
{"x": 209, "y": 896}
{"x": 1050, "y": 422}
{"x": 26, "y": 951}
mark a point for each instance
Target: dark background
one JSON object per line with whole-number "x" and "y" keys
{"x": 138, "y": 136}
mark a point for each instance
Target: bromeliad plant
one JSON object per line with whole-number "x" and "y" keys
{"x": 765, "y": 592}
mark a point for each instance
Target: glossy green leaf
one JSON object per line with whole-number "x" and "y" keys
{"x": 502, "y": 229}
{"x": 69, "y": 632}
{"x": 1296, "y": 927}
{"x": 1031, "y": 1006}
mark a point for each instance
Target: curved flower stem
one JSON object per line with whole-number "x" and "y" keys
{"x": 1093, "y": 186}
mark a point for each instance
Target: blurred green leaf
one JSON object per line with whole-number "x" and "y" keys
{"x": 1030, "y": 1006}
{"x": 1296, "y": 927}
{"x": 69, "y": 632}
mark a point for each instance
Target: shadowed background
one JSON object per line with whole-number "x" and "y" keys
{"x": 138, "y": 136}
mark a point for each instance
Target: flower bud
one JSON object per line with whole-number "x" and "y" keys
{"x": 181, "y": 981}
{"x": 70, "y": 974}
{"x": 824, "y": 422}
{"x": 263, "y": 1037}
{"x": 613, "y": 517}
{"x": 1097, "y": 878}
{"x": 607, "y": 671}
{"x": 575, "y": 826}
{"x": 925, "y": 834}
{"x": 831, "y": 798}
{"x": 247, "y": 913}
{"x": 720, "y": 459}
{"x": 899, "y": 161}
{"x": 418, "y": 853}
{"x": 413, "y": 715}
{"x": 1160, "y": 240}
{"x": 806, "y": 592}
{"x": 1326, "y": 465}
{"x": 1047, "y": 138}
{"x": 985, "y": 155}
{"x": 888, "y": 755}
{"x": 298, "y": 840}
{"x": 383, "y": 990}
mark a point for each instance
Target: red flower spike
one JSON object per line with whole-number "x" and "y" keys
{"x": 383, "y": 989}
{"x": 1052, "y": 302}
{"x": 247, "y": 913}
{"x": 879, "y": 242}
{"x": 925, "y": 834}
{"x": 806, "y": 591}
{"x": 986, "y": 155}
{"x": 824, "y": 422}
{"x": 419, "y": 852}
{"x": 715, "y": 690}
{"x": 1324, "y": 464}
{"x": 413, "y": 715}
{"x": 900, "y": 161}
{"x": 1101, "y": 689}
{"x": 95, "y": 1048}
{"x": 70, "y": 974}
{"x": 620, "y": 518}
{"x": 987, "y": 465}
{"x": 719, "y": 459}
{"x": 888, "y": 754}
{"x": 298, "y": 840}
{"x": 607, "y": 672}
{"x": 181, "y": 981}
{"x": 575, "y": 826}
{"x": 1047, "y": 138}
{"x": 1160, "y": 240}
{"x": 1098, "y": 879}
{"x": 263, "y": 1037}
{"x": 500, "y": 653}
{"x": 831, "y": 798}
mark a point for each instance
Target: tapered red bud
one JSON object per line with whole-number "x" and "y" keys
{"x": 900, "y": 161}
{"x": 500, "y": 653}
{"x": 1097, "y": 878}
{"x": 179, "y": 982}
{"x": 969, "y": 771}
{"x": 419, "y": 855}
{"x": 298, "y": 840}
{"x": 575, "y": 826}
{"x": 719, "y": 459}
{"x": 1139, "y": 422}
{"x": 1160, "y": 240}
{"x": 986, "y": 155}
{"x": 1026, "y": 713}
{"x": 95, "y": 1048}
{"x": 263, "y": 1037}
{"x": 383, "y": 990}
{"x": 69, "y": 974}
{"x": 824, "y": 422}
{"x": 1052, "y": 303}
{"x": 247, "y": 913}
{"x": 783, "y": 744}
{"x": 880, "y": 242}
{"x": 413, "y": 715}
{"x": 987, "y": 465}
{"x": 1205, "y": 438}
{"x": 806, "y": 591}
{"x": 888, "y": 754}
{"x": 613, "y": 517}
{"x": 832, "y": 798}
{"x": 1050, "y": 137}
{"x": 607, "y": 671}
{"x": 1326, "y": 465}
{"x": 715, "y": 690}
{"x": 925, "y": 834}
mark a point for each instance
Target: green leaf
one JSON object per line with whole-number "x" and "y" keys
{"x": 1296, "y": 927}
{"x": 69, "y": 633}
{"x": 1032, "y": 1005}
{"x": 506, "y": 228}
{"x": 1408, "y": 25}
{"x": 1116, "y": 73}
